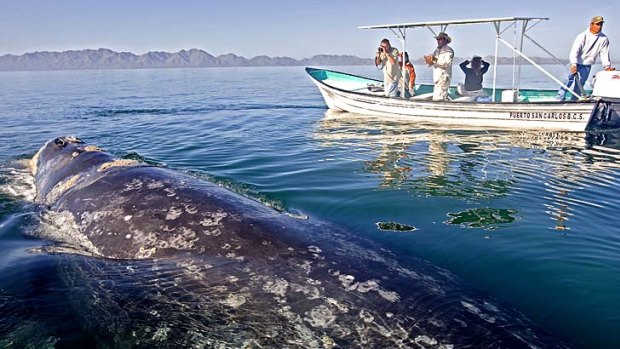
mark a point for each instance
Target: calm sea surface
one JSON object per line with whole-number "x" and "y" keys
{"x": 529, "y": 218}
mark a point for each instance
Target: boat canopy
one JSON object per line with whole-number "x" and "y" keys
{"x": 526, "y": 23}
{"x": 452, "y": 22}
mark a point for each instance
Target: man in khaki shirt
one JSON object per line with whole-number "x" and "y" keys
{"x": 387, "y": 57}
{"x": 441, "y": 62}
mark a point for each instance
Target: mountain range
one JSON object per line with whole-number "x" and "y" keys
{"x": 104, "y": 58}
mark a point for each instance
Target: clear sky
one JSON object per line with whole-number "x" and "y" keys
{"x": 295, "y": 28}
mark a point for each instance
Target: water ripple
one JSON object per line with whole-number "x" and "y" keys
{"x": 109, "y": 112}
{"x": 536, "y": 211}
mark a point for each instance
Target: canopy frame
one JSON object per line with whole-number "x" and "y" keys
{"x": 526, "y": 24}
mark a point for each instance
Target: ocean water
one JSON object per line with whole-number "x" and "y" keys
{"x": 528, "y": 218}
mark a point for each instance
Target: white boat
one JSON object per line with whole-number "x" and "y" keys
{"x": 506, "y": 108}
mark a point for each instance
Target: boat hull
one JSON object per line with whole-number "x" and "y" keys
{"x": 569, "y": 116}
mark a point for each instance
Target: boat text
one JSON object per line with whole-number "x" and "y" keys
{"x": 546, "y": 115}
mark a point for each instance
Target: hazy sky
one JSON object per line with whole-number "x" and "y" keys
{"x": 295, "y": 28}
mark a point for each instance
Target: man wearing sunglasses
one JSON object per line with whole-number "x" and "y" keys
{"x": 588, "y": 45}
{"x": 441, "y": 62}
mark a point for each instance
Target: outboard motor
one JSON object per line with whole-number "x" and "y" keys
{"x": 607, "y": 85}
{"x": 605, "y": 113}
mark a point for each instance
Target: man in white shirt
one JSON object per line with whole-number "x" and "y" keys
{"x": 586, "y": 48}
{"x": 441, "y": 61}
{"x": 387, "y": 56}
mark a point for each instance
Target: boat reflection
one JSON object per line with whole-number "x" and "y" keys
{"x": 479, "y": 165}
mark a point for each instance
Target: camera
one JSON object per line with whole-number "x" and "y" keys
{"x": 380, "y": 49}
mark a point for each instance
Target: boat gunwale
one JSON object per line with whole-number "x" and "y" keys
{"x": 406, "y": 100}
{"x": 456, "y": 106}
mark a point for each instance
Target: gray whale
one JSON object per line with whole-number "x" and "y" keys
{"x": 272, "y": 280}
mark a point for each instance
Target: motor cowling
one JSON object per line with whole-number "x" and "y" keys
{"x": 607, "y": 84}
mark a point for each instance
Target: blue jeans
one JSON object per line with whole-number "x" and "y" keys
{"x": 583, "y": 71}
{"x": 391, "y": 90}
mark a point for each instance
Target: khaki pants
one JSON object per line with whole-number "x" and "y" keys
{"x": 440, "y": 91}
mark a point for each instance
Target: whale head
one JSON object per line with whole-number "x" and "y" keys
{"x": 60, "y": 159}
{"x": 54, "y": 148}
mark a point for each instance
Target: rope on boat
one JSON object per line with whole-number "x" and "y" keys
{"x": 577, "y": 79}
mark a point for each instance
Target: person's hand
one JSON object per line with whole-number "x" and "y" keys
{"x": 573, "y": 68}
{"x": 610, "y": 68}
{"x": 428, "y": 59}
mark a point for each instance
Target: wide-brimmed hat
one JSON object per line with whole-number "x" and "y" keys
{"x": 445, "y": 36}
{"x": 597, "y": 19}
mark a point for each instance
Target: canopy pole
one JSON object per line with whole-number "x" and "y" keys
{"x": 514, "y": 56}
{"x": 432, "y": 31}
{"x": 497, "y": 29}
{"x": 539, "y": 68}
{"x": 559, "y": 61}
{"x": 402, "y": 36}
{"x": 524, "y": 25}
{"x": 404, "y": 69}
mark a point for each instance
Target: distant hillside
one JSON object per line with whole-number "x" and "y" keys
{"x": 194, "y": 58}
{"x": 107, "y": 59}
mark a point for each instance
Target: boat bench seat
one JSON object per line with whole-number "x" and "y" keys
{"x": 429, "y": 96}
{"x": 464, "y": 99}
{"x": 538, "y": 99}
{"x": 423, "y": 97}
